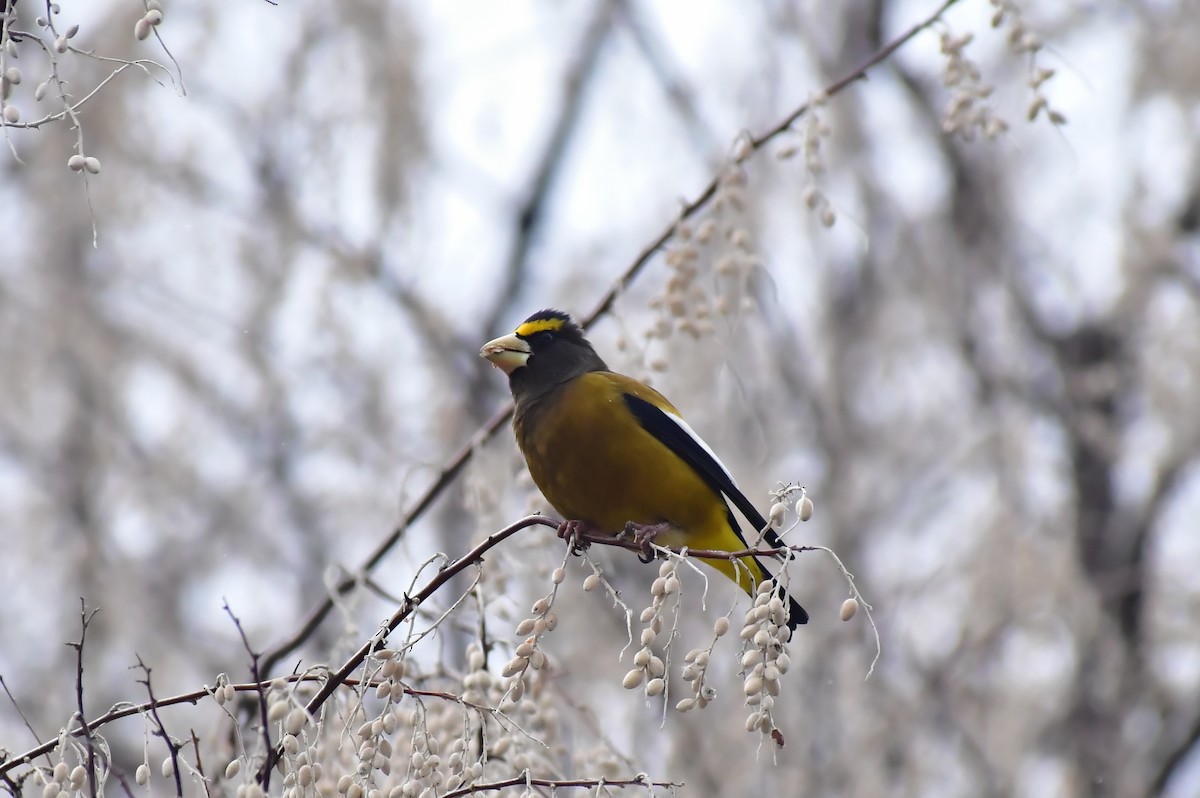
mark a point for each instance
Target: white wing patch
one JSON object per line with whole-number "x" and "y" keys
{"x": 692, "y": 434}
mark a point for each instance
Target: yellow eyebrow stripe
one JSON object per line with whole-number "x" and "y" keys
{"x": 531, "y": 328}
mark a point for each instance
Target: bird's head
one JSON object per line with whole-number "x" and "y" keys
{"x": 545, "y": 350}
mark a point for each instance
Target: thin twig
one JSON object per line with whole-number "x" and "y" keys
{"x": 124, "y": 782}
{"x": 200, "y": 763}
{"x": 85, "y": 620}
{"x": 13, "y": 700}
{"x": 161, "y": 730}
{"x": 256, "y": 675}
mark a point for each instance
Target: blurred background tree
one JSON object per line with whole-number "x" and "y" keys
{"x": 959, "y": 301}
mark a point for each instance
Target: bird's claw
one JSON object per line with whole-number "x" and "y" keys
{"x": 643, "y": 535}
{"x": 572, "y": 532}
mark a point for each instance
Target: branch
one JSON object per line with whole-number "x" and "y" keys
{"x": 85, "y": 619}
{"x": 200, "y": 764}
{"x": 640, "y": 780}
{"x": 752, "y": 144}
{"x": 342, "y": 674}
{"x": 451, "y": 470}
{"x": 1175, "y": 757}
{"x": 447, "y": 475}
{"x": 195, "y": 696}
{"x": 330, "y": 683}
{"x": 13, "y": 700}
{"x": 256, "y": 675}
{"x": 172, "y": 746}
{"x": 588, "y": 538}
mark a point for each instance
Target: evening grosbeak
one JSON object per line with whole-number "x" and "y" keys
{"x": 608, "y": 451}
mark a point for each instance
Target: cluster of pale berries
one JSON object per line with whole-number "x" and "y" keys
{"x": 424, "y": 777}
{"x": 649, "y": 668}
{"x": 59, "y": 43}
{"x": 1025, "y": 42}
{"x": 528, "y": 655}
{"x": 288, "y": 715}
{"x": 967, "y": 112}
{"x": 148, "y": 21}
{"x": 372, "y": 750}
{"x": 62, "y": 780}
{"x": 695, "y": 671}
{"x": 437, "y": 760}
{"x": 810, "y": 137}
{"x": 12, "y": 75}
{"x": 765, "y": 658}
{"x": 709, "y": 265}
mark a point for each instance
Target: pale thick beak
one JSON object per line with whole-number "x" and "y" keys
{"x": 508, "y": 353}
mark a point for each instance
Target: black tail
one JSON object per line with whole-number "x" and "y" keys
{"x": 796, "y": 614}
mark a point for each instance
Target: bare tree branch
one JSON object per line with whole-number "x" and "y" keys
{"x": 85, "y": 618}
{"x": 160, "y": 729}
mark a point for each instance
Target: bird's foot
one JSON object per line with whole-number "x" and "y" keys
{"x": 643, "y": 535}
{"x": 572, "y": 532}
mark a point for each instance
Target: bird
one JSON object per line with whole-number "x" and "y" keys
{"x": 611, "y": 454}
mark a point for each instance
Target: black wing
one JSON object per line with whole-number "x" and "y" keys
{"x": 679, "y": 441}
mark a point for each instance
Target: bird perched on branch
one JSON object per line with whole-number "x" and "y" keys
{"x": 609, "y": 452}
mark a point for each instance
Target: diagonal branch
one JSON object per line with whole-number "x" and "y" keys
{"x": 445, "y": 477}
{"x": 557, "y": 784}
{"x": 339, "y": 677}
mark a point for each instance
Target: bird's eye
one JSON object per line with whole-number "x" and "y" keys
{"x": 543, "y": 338}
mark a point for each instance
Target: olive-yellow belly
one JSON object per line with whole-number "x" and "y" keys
{"x": 595, "y": 463}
